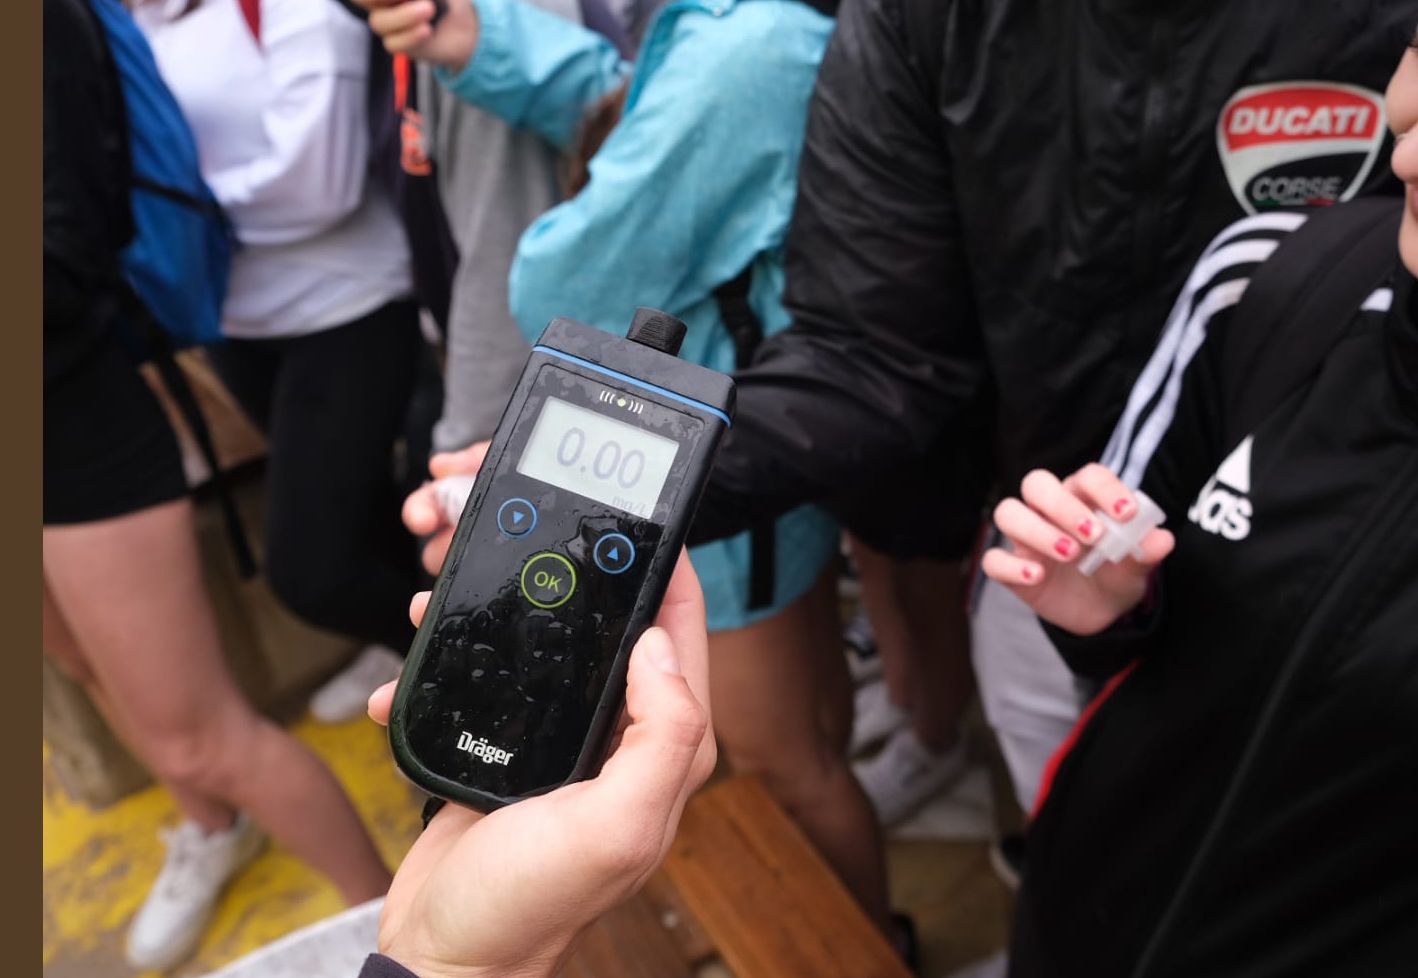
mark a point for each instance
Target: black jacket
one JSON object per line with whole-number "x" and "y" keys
{"x": 997, "y": 204}
{"x": 1296, "y": 569}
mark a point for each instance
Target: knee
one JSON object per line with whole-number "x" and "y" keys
{"x": 797, "y": 776}
{"x": 204, "y": 757}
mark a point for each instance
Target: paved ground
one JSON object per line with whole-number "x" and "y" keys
{"x": 98, "y": 865}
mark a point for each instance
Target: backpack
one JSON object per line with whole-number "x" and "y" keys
{"x": 180, "y": 255}
{"x": 172, "y": 273}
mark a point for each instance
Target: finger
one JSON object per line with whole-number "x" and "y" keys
{"x": 435, "y": 551}
{"x": 682, "y": 616}
{"x": 1156, "y": 545}
{"x": 654, "y": 770}
{"x": 1012, "y": 569}
{"x": 397, "y": 19}
{"x": 422, "y": 512}
{"x": 1049, "y": 497}
{"x": 407, "y": 42}
{"x": 1101, "y": 488}
{"x": 467, "y": 461}
{"x": 1024, "y": 526}
{"x": 418, "y": 606}
{"x": 381, "y": 701}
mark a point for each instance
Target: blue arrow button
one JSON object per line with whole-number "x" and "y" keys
{"x": 614, "y": 553}
{"x": 516, "y": 517}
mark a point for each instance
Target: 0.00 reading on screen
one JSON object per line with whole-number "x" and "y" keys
{"x": 598, "y": 457}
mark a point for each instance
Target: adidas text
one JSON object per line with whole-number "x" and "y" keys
{"x": 482, "y": 750}
{"x": 1221, "y": 506}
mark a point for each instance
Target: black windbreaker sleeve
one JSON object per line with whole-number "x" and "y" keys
{"x": 877, "y": 386}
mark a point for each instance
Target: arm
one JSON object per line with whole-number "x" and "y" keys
{"x": 535, "y": 70}
{"x": 883, "y": 364}
{"x": 683, "y": 191}
{"x": 1170, "y": 439}
{"x": 312, "y": 173}
{"x": 81, "y": 202}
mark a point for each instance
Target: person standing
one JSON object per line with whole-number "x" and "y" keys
{"x": 687, "y": 160}
{"x": 321, "y": 333}
{"x": 126, "y": 611}
{"x": 987, "y": 241}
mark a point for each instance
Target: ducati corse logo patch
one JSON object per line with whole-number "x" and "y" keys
{"x": 1299, "y": 144}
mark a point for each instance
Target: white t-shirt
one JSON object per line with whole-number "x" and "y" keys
{"x": 282, "y": 132}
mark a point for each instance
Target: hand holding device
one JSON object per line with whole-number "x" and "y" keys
{"x": 506, "y": 894}
{"x": 442, "y": 32}
{"x": 515, "y": 680}
{"x": 1050, "y": 529}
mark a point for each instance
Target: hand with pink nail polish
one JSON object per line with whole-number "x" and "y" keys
{"x": 1050, "y": 527}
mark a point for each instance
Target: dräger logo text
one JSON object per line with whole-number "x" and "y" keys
{"x": 1297, "y": 144}
{"x": 482, "y": 750}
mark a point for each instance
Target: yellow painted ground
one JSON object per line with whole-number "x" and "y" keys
{"x": 98, "y": 865}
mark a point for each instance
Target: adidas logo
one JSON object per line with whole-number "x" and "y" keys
{"x": 1221, "y": 506}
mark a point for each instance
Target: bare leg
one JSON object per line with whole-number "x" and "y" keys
{"x": 126, "y": 603}
{"x": 917, "y": 610}
{"x": 778, "y": 707}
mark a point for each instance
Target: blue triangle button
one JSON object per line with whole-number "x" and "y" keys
{"x": 518, "y": 516}
{"x": 614, "y": 554}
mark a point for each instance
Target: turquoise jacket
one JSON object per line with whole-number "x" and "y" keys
{"x": 695, "y": 182}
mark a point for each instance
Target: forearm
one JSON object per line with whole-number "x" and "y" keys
{"x": 535, "y": 70}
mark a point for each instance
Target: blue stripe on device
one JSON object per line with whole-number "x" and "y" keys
{"x": 626, "y": 378}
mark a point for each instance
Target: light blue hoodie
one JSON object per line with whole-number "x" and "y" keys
{"x": 695, "y": 182}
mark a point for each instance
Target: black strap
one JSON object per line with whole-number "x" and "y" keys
{"x": 164, "y": 358}
{"x": 747, "y": 333}
{"x": 1300, "y": 302}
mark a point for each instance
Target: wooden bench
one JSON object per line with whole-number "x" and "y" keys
{"x": 743, "y": 894}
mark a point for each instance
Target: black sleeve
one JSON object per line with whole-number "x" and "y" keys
{"x": 378, "y": 966}
{"x": 86, "y": 217}
{"x": 1171, "y": 436}
{"x": 880, "y": 377}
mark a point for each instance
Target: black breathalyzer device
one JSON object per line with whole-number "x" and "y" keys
{"x": 515, "y": 681}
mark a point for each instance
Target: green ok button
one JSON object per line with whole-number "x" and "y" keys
{"x": 548, "y": 579}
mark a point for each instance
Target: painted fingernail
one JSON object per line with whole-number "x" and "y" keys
{"x": 1064, "y": 547}
{"x": 1122, "y": 506}
{"x": 1085, "y": 529}
{"x": 1028, "y": 573}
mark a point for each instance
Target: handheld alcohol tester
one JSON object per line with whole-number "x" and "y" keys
{"x": 516, "y": 678}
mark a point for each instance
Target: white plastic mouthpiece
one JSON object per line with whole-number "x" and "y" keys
{"x": 1122, "y": 539}
{"x": 452, "y": 493}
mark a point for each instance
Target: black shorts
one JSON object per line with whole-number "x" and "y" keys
{"x": 108, "y": 447}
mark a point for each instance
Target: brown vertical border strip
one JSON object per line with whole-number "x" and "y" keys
{"x": 21, "y": 400}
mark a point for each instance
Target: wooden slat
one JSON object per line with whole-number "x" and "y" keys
{"x": 688, "y": 934}
{"x": 629, "y": 942}
{"x": 765, "y": 897}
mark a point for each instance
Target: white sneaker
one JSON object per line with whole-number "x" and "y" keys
{"x": 862, "y": 657}
{"x": 346, "y": 696}
{"x": 874, "y": 717}
{"x": 168, "y": 926}
{"x": 905, "y": 775}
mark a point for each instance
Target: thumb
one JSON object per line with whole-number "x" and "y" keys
{"x": 654, "y": 769}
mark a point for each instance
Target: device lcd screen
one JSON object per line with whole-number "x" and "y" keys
{"x": 598, "y": 457}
